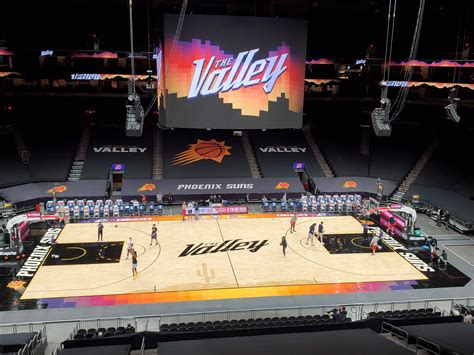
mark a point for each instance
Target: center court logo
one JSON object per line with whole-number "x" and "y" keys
{"x": 227, "y": 245}
{"x": 202, "y": 150}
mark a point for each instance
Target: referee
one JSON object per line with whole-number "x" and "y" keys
{"x": 100, "y": 232}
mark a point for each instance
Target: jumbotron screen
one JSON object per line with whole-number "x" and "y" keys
{"x": 228, "y": 72}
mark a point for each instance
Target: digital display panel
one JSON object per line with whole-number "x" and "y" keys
{"x": 399, "y": 223}
{"x": 230, "y": 72}
{"x": 298, "y": 166}
{"x": 118, "y": 167}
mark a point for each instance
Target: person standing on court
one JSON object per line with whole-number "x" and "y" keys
{"x": 53, "y": 247}
{"x": 184, "y": 206}
{"x": 321, "y": 232}
{"x": 196, "y": 211}
{"x": 154, "y": 234}
{"x": 134, "y": 263}
{"x": 438, "y": 218}
{"x": 100, "y": 232}
{"x": 375, "y": 242}
{"x": 129, "y": 247}
{"x": 311, "y": 234}
{"x": 293, "y": 222}
{"x": 443, "y": 258}
{"x": 446, "y": 218}
{"x": 284, "y": 245}
{"x": 159, "y": 198}
{"x": 366, "y": 232}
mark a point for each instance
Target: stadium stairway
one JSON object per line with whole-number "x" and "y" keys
{"x": 21, "y": 147}
{"x": 413, "y": 174}
{"x": 250, "y": 154}
{"x": 157, "y": 168}
{"x": 80, "y": 156}
{"x": 317, "y": 152}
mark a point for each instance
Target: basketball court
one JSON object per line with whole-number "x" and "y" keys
{"x": 214, "y": 258}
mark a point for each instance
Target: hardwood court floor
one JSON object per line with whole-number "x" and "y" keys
{"x": 254, "y": 258}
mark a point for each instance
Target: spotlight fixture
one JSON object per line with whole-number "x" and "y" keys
{"x": 381, "y": 119}
{"x": 452, "y": 108}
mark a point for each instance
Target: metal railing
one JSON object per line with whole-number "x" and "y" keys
{"x": 355, "y": 311}
{"x": 461, "y": 225}
{"x": 426, "y": 345}
{"x": 105, "y": 323}
{"x": 152, "y": 322}
{"x": 21, "y": 328}
{"x": 393, "y": 306}
{"x": 37, "y": 345}
{"x": 466, "y": 302}
{"x": 395, "y": 332}
{"x": 454, "y": 221}
{"x": 143, "y": 347}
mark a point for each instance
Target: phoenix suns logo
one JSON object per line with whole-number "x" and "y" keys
{"x": 17, "y": 285}
{"x": 227, "y": 245}
{"x": 282, "y": 185}
{"x": 349, "y": 184}
{"x": 202, "y": 150}
{"x": 146, "y": 187}
{"x": 56, "y": 189}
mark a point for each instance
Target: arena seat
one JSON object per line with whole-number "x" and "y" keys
{"x": 458, "y": 205}
{"x": 276, "y": 151}
{"x": 93, "y": 333}
{"x": 450, "y": 166}
{"x": 392, "y": 157}
{"x": 177, "y": 144}
{"x": 465, "y": 187}
{"x": 242, "y": 324}
{"x": 138, "y": 161}
{"x": 338, "y": 137}
{"x": 406, "y": 314}
{"x": 13, "y": 171}
{"x": 52, "y": 149}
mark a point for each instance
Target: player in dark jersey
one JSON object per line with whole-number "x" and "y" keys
{"x": 311, "y": 234}
{"x": 284, "y": 245}
{"x": 134, "y": 263}
{"x": 154, "y": 235}
{"x": 100, "y": 232}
